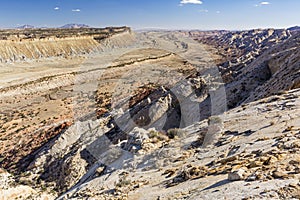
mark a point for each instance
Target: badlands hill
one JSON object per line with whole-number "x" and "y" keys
{"x": 294, "y": 29}
{"x": 151, "y": 115}
{"x": 257, "y": 63}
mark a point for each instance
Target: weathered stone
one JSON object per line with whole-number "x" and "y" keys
{"x": 236, "y": 175}
{"x": 270, "y": 160}
{"x": 280, "y": 175}
{"x": 255, "y": 164}
{"x": 228, "y": 159}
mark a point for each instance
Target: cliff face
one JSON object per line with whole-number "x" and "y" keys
{"x": 256, "y": 63}
{"x": 12, "y": 51}
{"x": 239, "y": 49}
{"x": 283, "y": 63}
{"x": 22, "y": 45}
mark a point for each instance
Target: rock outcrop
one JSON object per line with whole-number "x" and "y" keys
{"x": 256, "y": 63}
{"x": 283, "y": 63}
{"x": 274, "y": 70}
{"x": 239, "y": 49}
{"x": 255, "y": 150}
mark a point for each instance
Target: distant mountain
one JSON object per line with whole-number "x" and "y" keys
{"x": 26, "y": 27}
{"x": 71, "y": 26}
{"x": 294, "y": 29}
{"x": 75, "y": 26}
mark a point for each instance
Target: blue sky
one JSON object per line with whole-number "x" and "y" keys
{"x": 168, "y": 14}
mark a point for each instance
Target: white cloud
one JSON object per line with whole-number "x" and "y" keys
{"x": 56, "y": 8}
{"x": 190, "y": 2}
{"x": 203, "y": 11}
{"x": 265, "y": 3}
{"x": 76, "y": 10}
{"x": 218, "y": 12}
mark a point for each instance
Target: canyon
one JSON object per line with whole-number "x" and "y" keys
{"x": 112, "y": 113}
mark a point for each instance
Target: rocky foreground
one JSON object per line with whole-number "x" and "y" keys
{"x": 153, "y": 115}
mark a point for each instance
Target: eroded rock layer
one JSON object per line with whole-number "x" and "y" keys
{"x": 22, "y": 45}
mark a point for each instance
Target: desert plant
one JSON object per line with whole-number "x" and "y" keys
{"x": 214, "y": 120}
{"x": 158, "y": 135}
{"x": 173, "y": 133}
{"x": 123, "y": 182}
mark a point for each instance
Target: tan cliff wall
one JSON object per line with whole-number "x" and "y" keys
{"x": 11, "y": 51}
{"x": 32, "y": 49}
